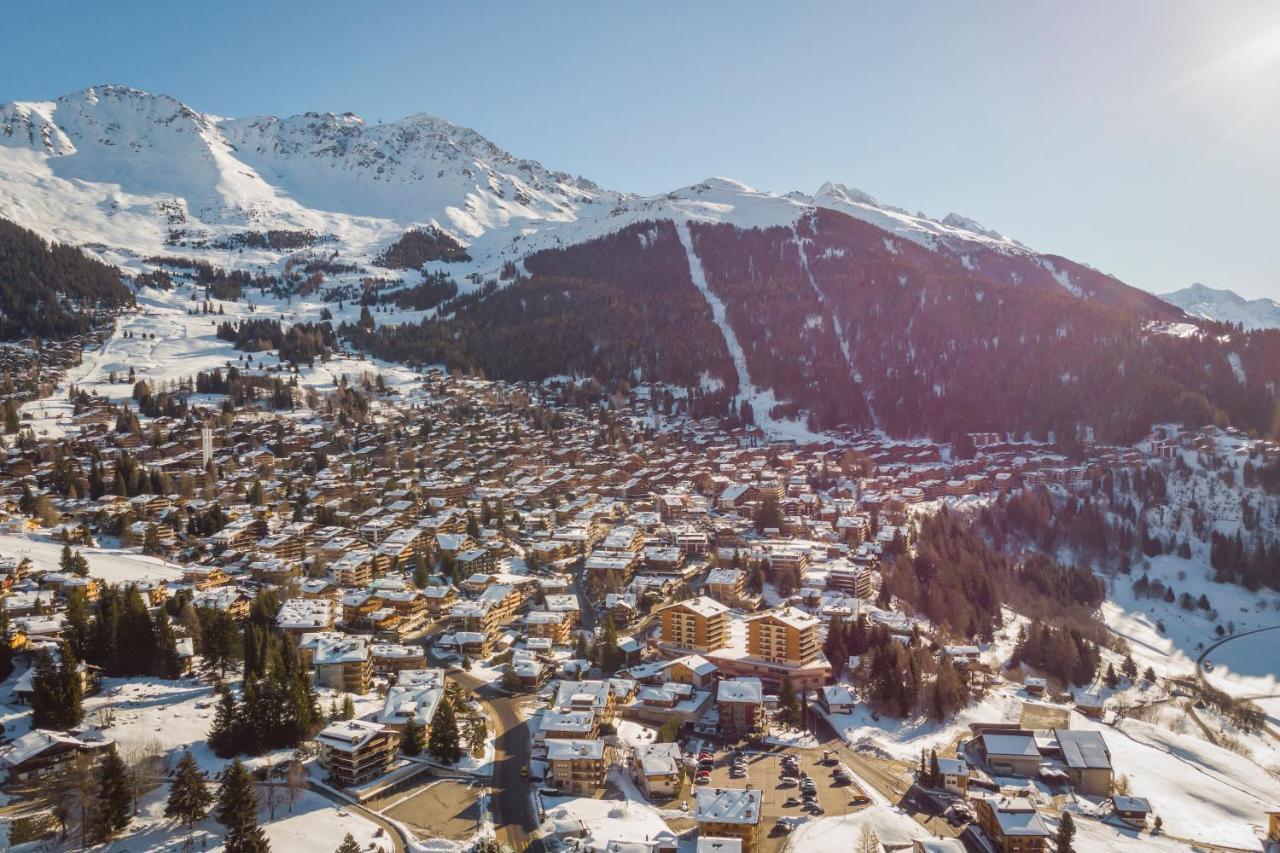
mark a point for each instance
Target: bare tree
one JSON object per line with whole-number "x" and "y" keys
{"x": 271, "y": 794}
{"x": 147, "y": 765}
{"x": 295, "y": 780}
{"x": 868, "y": 841}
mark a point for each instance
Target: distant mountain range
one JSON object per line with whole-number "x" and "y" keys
{"x": 1226, "y": 306}
{"x": 820, "y": 309}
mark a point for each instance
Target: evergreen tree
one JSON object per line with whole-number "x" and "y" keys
{"x": 669, "y": 731}
{"x": 444, "y": 744}
{"x": 166, "y": 662}
{"x": 768, "y": 514}
{"x": 224, "y": 737}
{"x": 76, "y": 628}
{"x": 189, "y": 796}
{"x": 238, "y": 812}
{"x": 6, "y": 645}
{"x": 411, "y": 739}
{"x": 56, "y": 691}
{"x": 608, "y": 655}
{"x": 67, "y": 561}
{"x": 114, "y": 807}
{"x": 348, "y": 708}
{"x": 1066, "y": 833}
{"x": 348, "y": 845}
{"x": 788, "y": 707}
{"x": 136, "y": 636}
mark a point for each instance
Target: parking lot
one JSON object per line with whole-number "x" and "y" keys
{"x": 781, "y": 798}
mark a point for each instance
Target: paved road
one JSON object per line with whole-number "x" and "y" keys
{"x": 1205, "y": 654}
{"x": 513, "y": 815}
{"x": 586, "y": 610}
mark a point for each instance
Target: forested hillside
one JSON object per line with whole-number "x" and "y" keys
{"x": 49, "y": 289}
{"x": 846, "y": 326}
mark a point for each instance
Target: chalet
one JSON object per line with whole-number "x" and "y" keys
{"x": 1012, "y": 825}
{"x": 577, "y": 766}
{"x": 356, "y": 751}
{"x": 658, "y": 769}
{"x": 40, "y": 753}
{"x": 955, "y": 775}
{"x": 1133, "y": 810}
{"x": 837, "y": 698}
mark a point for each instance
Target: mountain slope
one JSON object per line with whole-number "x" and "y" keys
{"x": 1226, "y": 306}
{"x": 825, "y": 309}
{"x": 51, "y": 290}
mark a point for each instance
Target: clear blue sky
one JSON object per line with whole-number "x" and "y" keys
{"x": 1142, "y": 137}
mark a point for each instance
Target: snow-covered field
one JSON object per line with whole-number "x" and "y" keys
{"x": 1246, "y": 666}
{"x": 607, "y": 820}
{"x": 1186, "y": 633}
{"x": 1201, "y": 791}
{"x": 114, "y": 565}
{"x": 163, "y": 344}
{"x": 841, "y": 834}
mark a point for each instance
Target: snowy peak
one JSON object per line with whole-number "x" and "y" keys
{"x": 953, "y": 232}
{"x": 1226, "y": 306}
{"x": 113, "y": 150}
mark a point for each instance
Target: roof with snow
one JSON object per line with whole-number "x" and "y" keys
{"x": 727, "y": 805}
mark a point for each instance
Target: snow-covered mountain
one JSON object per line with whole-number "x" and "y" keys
{"x": 824, "y": 308}
{"x": 1226, "y": 306}
{"x": 116, "y": 166}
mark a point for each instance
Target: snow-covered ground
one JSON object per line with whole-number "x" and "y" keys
{"x": 114, "y": 565}
{"x": 1201, "y": 791}
{"x": 841, "y": 834}
{"x": 1247, "y": 666}
{"x": 163, "y": 343}
{"x": 607, "y": 820}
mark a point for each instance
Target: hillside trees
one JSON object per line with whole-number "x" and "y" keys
{"x": 49, "y": 289}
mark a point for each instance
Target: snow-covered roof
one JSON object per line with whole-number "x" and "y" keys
{"x": 727, "y": 805}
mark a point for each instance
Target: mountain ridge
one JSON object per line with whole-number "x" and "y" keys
{"x": 828, "y": 309}
{"x": 1226, "y": 306}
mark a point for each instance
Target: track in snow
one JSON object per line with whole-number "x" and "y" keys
{"x": 745, "y": 389}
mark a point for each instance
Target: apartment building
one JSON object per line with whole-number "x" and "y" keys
{"x": 698, "y": 625}
{"x": 356, "y": 751}
{"x": 729, "y": 813}
{"x": 577, "y": 766}
{"x": 343, "y": 664}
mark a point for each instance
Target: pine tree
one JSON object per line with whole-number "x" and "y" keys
{"x": 56, "y": 691}
{"x": 238, "y": 812}
{"x": 444, "y": 744}
{"x": 788, "y": 707}
{"x": 114, "y": 807}
{"x": 166, "y": 661}
{"x": 1066, "y": 833}
{"x": 411, "y": 739}
{"x": 348, "y": 845}
{"x": 136, "y": 636}
{"x": 348, "y": 708}
{"x": 189, "y": 796}
{"x": 669, "y": 731}
{"x": 224, "y": 737}
{"x": 6, "y": 645}
{"x": 76, "y": 629}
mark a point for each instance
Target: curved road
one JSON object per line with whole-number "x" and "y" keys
{"x": 514, "y": 821}
{"x": 1200, "y": 660}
